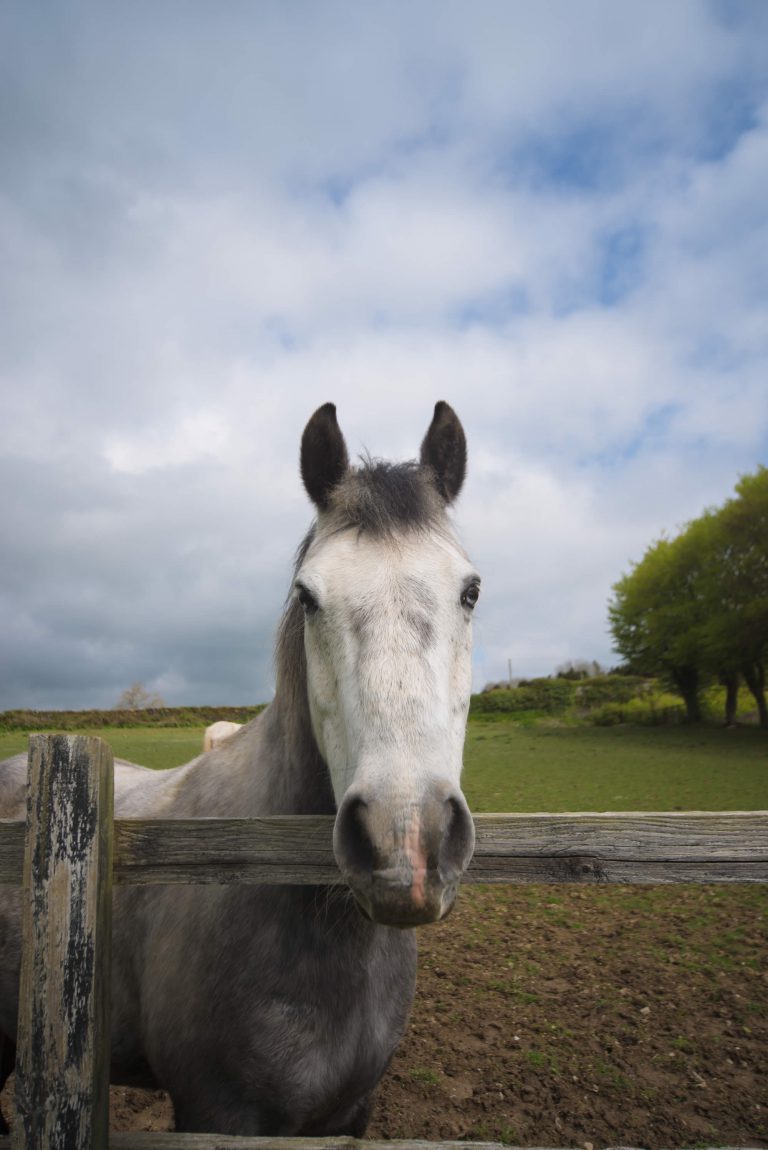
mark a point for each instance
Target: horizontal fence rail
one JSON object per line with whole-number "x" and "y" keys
{"x": 665, "y": 847}
{"x": 170, "y": 1141}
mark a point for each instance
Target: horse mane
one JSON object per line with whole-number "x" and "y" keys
{"x": 290, "y": 658}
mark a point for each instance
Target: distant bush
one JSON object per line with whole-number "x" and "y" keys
{"x": 651, "y": 711}
{"x": 591, "y": 693}
{"x": 713, "y": 705}
{"x": 150, "y": 717}
{"x": 552, "y": 696}
{"x": 579, "y": 669}
{"x": 605, "y": 700}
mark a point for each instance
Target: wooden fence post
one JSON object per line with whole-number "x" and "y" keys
{"x": 62, "y": 1069}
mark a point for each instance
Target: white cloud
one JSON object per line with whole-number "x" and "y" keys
{"x": 200, "y": 436}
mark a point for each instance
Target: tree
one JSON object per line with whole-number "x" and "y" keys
{"x": 578, "y": 669}
{"x": 657, "y": 613}
{"x": 697, "y": 606}
{"x": 138, "y": 698}
{"x": 738, "y": 629}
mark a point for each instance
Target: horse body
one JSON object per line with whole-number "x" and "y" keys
{"x": 275, "y": 1009}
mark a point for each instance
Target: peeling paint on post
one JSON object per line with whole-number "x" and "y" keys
{"x": 62, "y": 1070}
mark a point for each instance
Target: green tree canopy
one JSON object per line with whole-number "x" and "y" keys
{"x": 696, "y": 606}
{"x": 657, "y": 616}
{"x": 739, "y": 621}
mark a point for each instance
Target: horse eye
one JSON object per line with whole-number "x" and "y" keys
{"x": 307, "y": 600}
{"x": 470, "y": 595}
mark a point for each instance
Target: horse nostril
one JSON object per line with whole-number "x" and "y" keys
{"x": 352, "y": 842}
{"x": 458, "y": 840}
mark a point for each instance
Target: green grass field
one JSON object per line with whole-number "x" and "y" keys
{"x": 158, "y": 747}
{"x": 549, "y": 768}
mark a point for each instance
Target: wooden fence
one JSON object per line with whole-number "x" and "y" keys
{"x": 71, "y": 851}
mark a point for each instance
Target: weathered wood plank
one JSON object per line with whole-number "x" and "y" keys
{"x": 286, "y": 849}
{"x": 170, "y": 1141}
{"x": 158, "y": 1141}
{"x": 645, "y": 848}
{"x": 63, "y": 1053}
{"x": 621, "y": 847}
{"x": 151, "y": 1141}
{"x": 11, "y": 851}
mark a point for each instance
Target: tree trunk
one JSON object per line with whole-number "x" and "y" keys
{"x": 730, "y": 680}
{"x": 754, "y": 677}
{"x": 686, "y": 680}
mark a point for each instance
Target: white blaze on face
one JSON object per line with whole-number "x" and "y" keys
{"x": 414, "y": 853}
{"x": 388, "y": 645}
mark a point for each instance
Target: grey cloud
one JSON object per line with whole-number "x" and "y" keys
{"x": 106, "y": 582}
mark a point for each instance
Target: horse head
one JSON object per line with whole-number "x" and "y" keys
{"x": 387, "y": 595}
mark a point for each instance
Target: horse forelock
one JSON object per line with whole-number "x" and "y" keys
{"x": 383, "y": 498}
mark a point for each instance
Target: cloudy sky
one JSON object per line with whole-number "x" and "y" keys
{"x": 215, "y": 217}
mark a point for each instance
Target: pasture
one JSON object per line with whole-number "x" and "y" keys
{"x": 569, "y": 1015}
{"x": 623, "y": 768}
{"x": 514, "y": 767}
{"x": 157, "y": 747}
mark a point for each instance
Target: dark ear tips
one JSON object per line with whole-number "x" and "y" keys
{"x": 324, "y": 456}
{"x": 445, "y": 450}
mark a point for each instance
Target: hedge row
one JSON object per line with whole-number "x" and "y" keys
{"x": 602, "y": 689}
{"x": 653, "y": 711}
{"x": 555, "y": 696}
{"x": 147, "y": 717}
{"x": 601, "y": 699}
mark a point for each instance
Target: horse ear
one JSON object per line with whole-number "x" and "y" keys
{"x": 445, "y": 450}
{"x": 324, "y": 456}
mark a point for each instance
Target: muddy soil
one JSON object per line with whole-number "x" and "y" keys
{"x": 559, "y": 1016}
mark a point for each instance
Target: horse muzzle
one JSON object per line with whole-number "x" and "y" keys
{"x": 403, "y": 861}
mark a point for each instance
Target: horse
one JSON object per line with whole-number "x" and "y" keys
{"x": 218, "y": 732}
{"x": 275, "y": 1010}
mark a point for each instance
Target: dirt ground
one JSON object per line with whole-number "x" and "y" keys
{"x": 585, "y": 1017}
